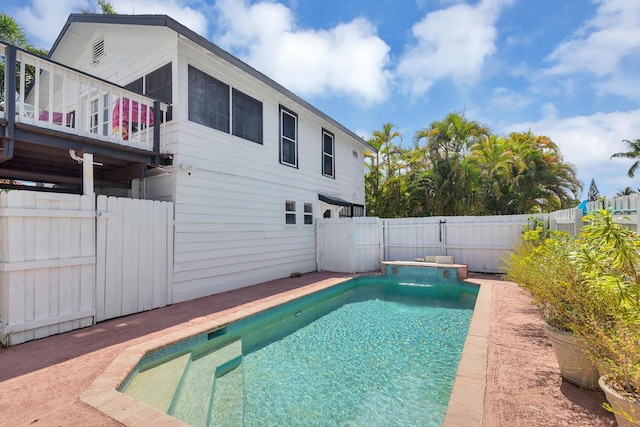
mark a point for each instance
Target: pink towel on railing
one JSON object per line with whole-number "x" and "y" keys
{"x": 56, "y": 118}
{"x": 135, "y": 120}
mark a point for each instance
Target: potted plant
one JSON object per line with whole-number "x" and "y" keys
{"x": 541, "y": 265}
{"x": 608, "y": 257}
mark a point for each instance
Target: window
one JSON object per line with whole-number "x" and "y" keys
{"x": 157, "y": 84}
{"x": 327, "y": 154}
{"x": 289, "y": 212}
{"x": 308, "y": 214}
{"x": 247, "y": 117}
{"x": 94, "y": 114}
{"x": 288, "y": 137}
{"x": 208, "y": 100}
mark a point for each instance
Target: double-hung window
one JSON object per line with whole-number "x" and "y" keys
{"x": 328, "y": 158}
{"x": 308, "y": 214}
{"x": 288, "y": 137}
{"x": 289, "y": 212}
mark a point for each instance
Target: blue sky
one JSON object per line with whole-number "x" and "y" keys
{"x": 567, "y": 69}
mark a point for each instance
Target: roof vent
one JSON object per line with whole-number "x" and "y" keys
{"x": 97, "y": 50}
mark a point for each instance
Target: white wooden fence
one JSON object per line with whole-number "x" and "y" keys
{"x": 65, "y": 265}
{"x": 361, "y": 244}
{"x": 349, "y": 245}
{"x": 134, "y": 270}
{"x": 47, "y": 263}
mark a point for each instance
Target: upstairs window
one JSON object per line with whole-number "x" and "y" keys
{"x": 247, "y": 117}
{"x": 289, "y": 212}
{"x": 157, "y": 84}
{"x": 328, "y": 159}
{"x": 288, "y": 137}
{"x": 208, "y": 100}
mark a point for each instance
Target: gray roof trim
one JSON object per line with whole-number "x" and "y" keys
{"x": 166, "y": 21}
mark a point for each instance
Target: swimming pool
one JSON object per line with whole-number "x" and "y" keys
{"x": 373, "y": 350}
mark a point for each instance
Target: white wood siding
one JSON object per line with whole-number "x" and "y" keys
{"x": 230, "y": 193}
{"x": 47, "y": 263}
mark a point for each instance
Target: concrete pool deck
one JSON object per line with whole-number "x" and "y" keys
{"x": 507, "y": 375}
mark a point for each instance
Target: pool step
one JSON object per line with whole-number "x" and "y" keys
{"x": 157, "y": 385}
{"x": 227, "y": 396}
{"x": 194, "y": 393}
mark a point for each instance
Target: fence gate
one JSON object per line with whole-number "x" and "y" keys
{"x": 134, "y": 256}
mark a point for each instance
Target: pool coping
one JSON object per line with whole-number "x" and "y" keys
{"x": 466, "y": 403}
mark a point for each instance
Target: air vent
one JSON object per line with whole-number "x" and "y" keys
{"x": 97, "y": 50}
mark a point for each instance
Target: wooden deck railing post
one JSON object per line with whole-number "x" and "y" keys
{"x": 9, "y": 102}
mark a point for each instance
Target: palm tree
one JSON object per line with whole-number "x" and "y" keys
{"x": 382, "y": 177}
{"x": 626, "y": 192}
{"x": 105, "y": 6}
{"x": 11, "y": 32}
{"x": 447, "y": 145}
{"x": 633, "y": 153}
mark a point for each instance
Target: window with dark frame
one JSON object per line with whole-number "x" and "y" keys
{"x": 157, "y": 84}
{"x": 208, "y": 100}
{"x": 247, "y": 117}
{"x": 328, "y": 147}
{"x": 290, "y": 212}
{"x": 288, "y": 137}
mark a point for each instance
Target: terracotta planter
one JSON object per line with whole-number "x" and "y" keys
{"x": 623, "y": 409}
{"x": 574, "y": 365}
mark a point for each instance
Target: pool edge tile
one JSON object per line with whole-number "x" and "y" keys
{"x": 466, "y": 402}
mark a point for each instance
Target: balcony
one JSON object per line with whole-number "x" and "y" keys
{"x": 50, "y": 114}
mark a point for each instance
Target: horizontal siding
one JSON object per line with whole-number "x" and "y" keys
{"x": 229, "y": 193}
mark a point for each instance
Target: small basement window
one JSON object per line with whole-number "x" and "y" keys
{"x": 290, "y": 212}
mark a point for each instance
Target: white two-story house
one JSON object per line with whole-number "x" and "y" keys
{"x": 249, "y": 165}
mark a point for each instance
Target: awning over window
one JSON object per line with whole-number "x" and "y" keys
{"x": 333, "y": 200}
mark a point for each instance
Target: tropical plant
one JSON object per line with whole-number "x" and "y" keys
{"x": 625, "y": 192}
{"x": 12, "y": 33}
{"x": 105, "y": 6}
{"x": 447, "y": 144}
{"x": 633, "y": 153}
{"x": 382, "y": 178}
{"x": 608, "y": 258}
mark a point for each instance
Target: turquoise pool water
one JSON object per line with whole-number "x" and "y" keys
{"x": 371, "y": 351}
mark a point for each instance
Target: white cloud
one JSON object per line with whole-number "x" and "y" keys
{"x": 506, "y": 99}
{"x": 601, "y": 44}
{"x": 451, "y": 43}
{"x": 43, "y": 19}
{"x": 348, "y": 59}
{"x": 589, "y": 141}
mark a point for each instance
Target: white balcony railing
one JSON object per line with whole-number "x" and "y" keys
{"x": 52, "y": 96}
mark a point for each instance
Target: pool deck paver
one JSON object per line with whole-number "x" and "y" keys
{"x": 507, "y": 374}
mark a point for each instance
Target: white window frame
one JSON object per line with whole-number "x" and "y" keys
{"x": 308, "y": 214}
{"x": 290, "y": 212}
